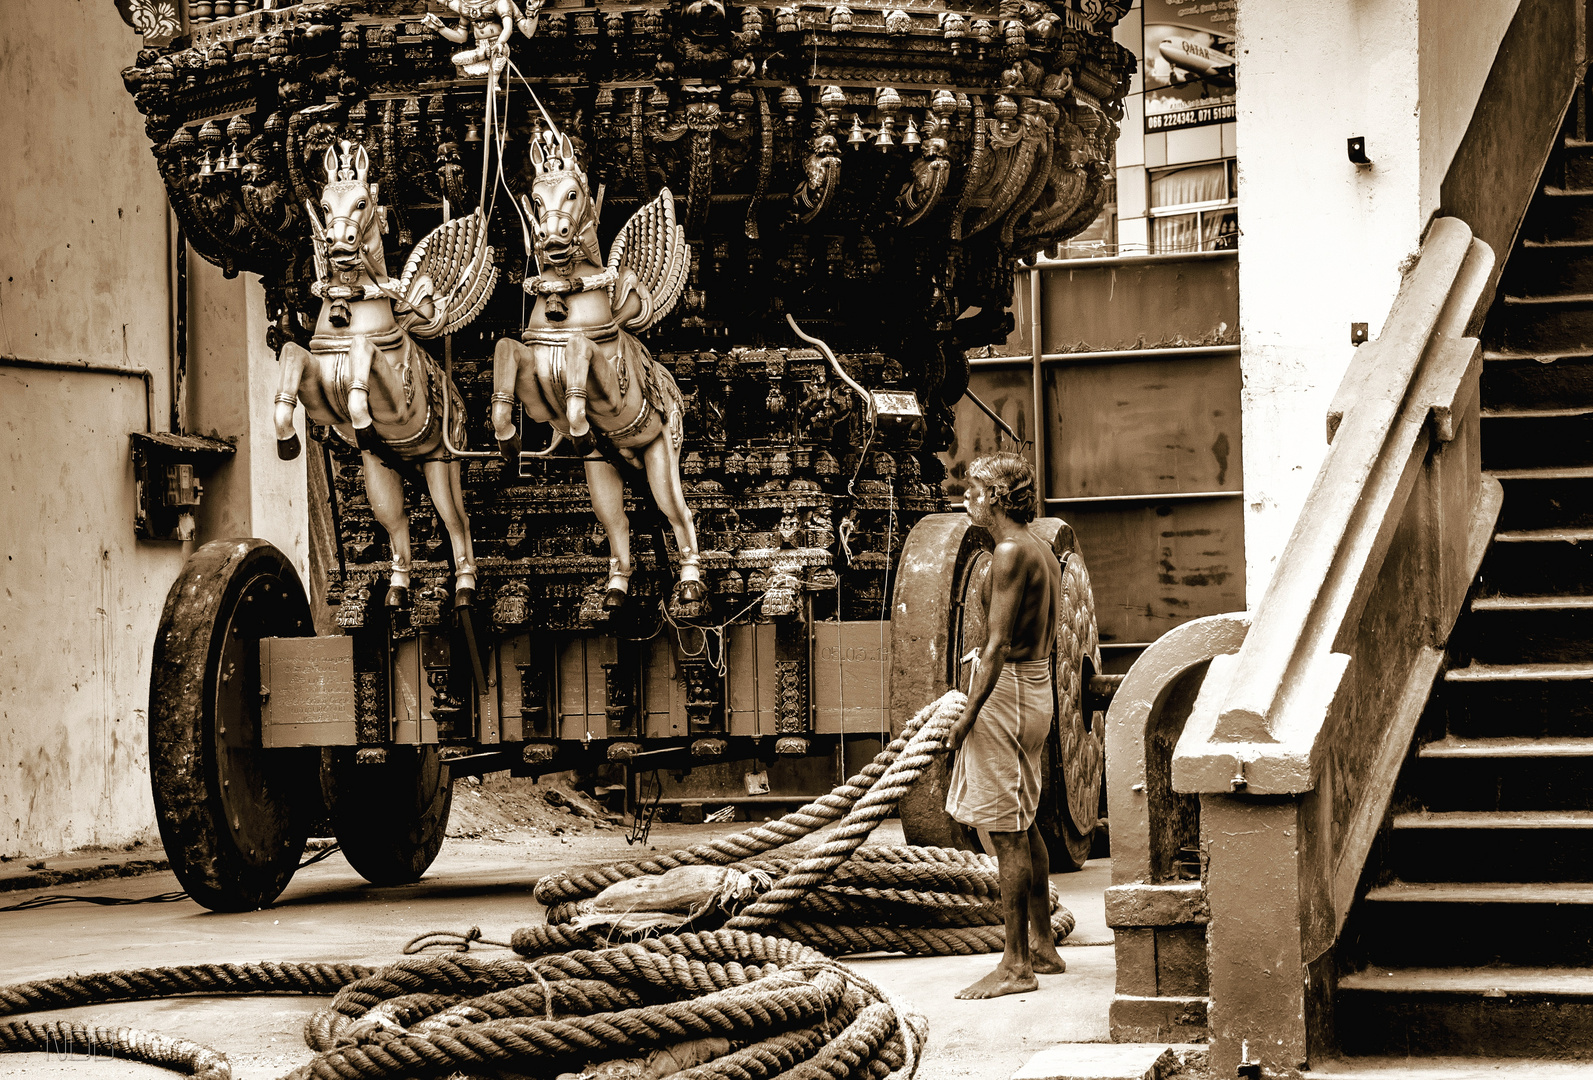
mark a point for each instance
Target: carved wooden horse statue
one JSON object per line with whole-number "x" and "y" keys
{"x": 578, "y": 365}
{"x": 364, "y": 374}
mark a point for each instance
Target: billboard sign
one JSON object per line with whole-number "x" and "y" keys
{"x": 1189, "y": 63}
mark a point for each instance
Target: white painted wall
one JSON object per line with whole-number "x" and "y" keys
{"x": 1459, "y": 39}
{"x": 84, "y": 257}
{"x": 1323, "y": 239}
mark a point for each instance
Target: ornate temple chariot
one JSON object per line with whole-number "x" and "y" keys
{"x": 630, "y": 334}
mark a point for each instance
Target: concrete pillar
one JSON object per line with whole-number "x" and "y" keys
{"x": 233, "y": 378}
{"x": 1267, "y": 900}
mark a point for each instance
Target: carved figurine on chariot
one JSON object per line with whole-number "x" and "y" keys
{"x": 492, "y": 22}
{"x": 364, "y": 374}
{"x": 579, "y": 366}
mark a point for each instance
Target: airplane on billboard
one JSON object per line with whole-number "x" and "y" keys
{"x": 1192, "y": 61}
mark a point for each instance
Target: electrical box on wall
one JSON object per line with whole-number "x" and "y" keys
{"x": 167, "y": 474}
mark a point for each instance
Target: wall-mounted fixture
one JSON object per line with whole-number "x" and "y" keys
{"x": 1360, "y": 333}
{"x": 166, "y": 475}
{"x": 1357, "y": 148}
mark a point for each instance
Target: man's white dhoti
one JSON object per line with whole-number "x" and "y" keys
{"x": 995, "y": 781}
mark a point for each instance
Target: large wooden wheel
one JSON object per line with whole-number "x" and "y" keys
{"x": 936, "y": 620}
{"x": 233, "y": 816}
{"x": 389, "y": 817}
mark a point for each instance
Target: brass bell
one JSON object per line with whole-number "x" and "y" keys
{"x": 910, "y": 138}
{"x": 234, "y": 161}
{"x": 205, "y": 166}
{"x": 856, "y": 138}
{"x": 885, "y": 142}
{"x": 472, "y": 132}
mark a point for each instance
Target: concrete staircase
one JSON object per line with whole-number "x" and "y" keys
{"x": 1479, "y": 938}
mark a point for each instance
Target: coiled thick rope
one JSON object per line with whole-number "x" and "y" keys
{"x": 785, "y": 1009}
{"x": 840, "y": 897}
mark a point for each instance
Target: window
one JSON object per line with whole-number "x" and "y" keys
{"x": 1193, "y": 208}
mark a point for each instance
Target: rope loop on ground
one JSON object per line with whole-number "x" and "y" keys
{"x": 840, "y": 897}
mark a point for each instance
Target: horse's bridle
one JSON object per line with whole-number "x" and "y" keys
{"x": 550, "y": 211}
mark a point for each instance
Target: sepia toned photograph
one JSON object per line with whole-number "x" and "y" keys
{"x": 836, "y": 540}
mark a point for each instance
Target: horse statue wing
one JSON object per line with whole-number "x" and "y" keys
{"x": 452, "y": 270}
{"x": 653, "y": 247}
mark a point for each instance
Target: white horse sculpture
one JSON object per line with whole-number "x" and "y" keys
{"x": 365, "y": 375}
{"x": 579, "y": 367}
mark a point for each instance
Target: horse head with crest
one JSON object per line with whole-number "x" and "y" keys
{"x": 578, "y": 365}
{"x": 365, "y": 376}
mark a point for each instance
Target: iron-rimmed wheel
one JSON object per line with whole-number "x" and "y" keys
{"x": 233, "y": 816}
{"x": 936, "y": 619}
{"x": 389, "y": 817}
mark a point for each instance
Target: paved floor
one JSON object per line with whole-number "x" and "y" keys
{"x": 329, "y": 913}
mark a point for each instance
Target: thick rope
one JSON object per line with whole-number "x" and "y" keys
{"x": 94, "y": 1044}
{"x": 841, "y": 897}
{"x": 582, "y": 1001}
{"x": 784, "y": 1008}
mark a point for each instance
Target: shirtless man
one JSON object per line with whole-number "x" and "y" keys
{"x": 1000, "y": 737}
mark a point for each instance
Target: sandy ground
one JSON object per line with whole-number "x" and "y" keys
{"x": 503, "y": 838}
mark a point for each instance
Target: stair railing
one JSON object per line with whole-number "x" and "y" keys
{"x": 1294, "y": 742}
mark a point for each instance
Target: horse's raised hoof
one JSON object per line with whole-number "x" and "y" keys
{"x": 288, "y": 449}
{"x": 510, "y": 449}
{"x": 464, "y": 598}
{"x": 614, "y": 599}
{"x": 367, "y": 439}
{"x": 691, "y": 592}
{"x": 397, "y": 596}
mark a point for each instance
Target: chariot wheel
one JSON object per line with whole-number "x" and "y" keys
{"x": 389, "y": 817}
{"x": 937, "y": 618}
{"x": 233, "y": 816}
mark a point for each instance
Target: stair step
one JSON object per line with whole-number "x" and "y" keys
{"x": 1453, "y": 748}
{"x": 1538, "y": 562}
{"x": 1526, "y": 630}
{"x": 1558, "y": 245}
{"x": 1450, "y": 1068}
{"x": 1543, "y": 536}
{"x": 1434, "y": 925}
{"x": 1497, "y": 1011}
{"x": 1553, "y": 436}
{"x": 1483, "y": 892}
{"x": 1515, "y": 701}
{"x": 1516, "y": 356}
{"x": 1547, "y": 412}
{"x": 1559, "y": 982}
{"x": 1537, "y": 379}
{"x": 1496, "y": 820}
{"x": 1476, "y": 673}
{"x": 1545, "y": 472}
{"x": 1560, "y": 212}
{"x": 1545, "y": 497}
{"x": 1532, "y": 603}
{"x": 1549, "y": 300}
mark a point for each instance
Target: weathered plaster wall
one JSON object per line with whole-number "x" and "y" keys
{"x": 1323, "y": 239}
{"x": 83, "y": 247}
{"x": 1458, "y": 43}
{"x": 84, "y": 258}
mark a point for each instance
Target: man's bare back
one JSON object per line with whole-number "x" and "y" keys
{"x": 1036, "y": 589}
